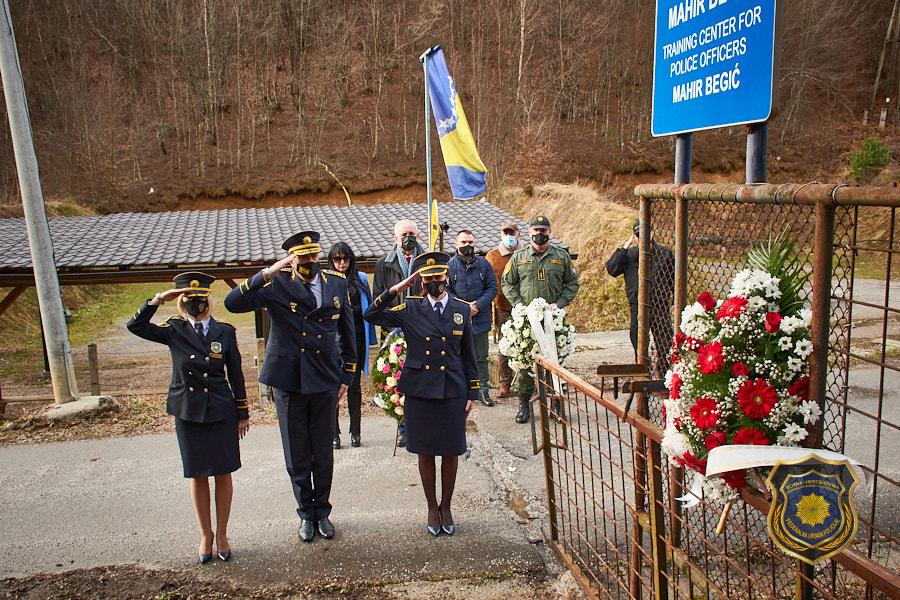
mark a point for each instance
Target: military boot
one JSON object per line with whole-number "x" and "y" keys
{"x": 524, "y": 409}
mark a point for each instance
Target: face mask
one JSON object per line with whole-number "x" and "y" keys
{"x": 435, "y": 289}
{"x": 467, "y": 251}
{"x": 509, "y": 241}
{"x": 195, "y": 306}
{"x": 409, "y": 243}
{"x": 308, "y": 270}
{"x": 540, "y": 238}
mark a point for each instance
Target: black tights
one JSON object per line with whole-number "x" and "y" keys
{"x": 428, "y": 473}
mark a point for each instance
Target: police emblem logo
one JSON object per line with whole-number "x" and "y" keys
{"x": 813, "y": 514}
{"x": 194, "y": 283}
{"x": 293, "y": 306}
{"x": 457, "y": 318}
{"x": 307, "y": 240}
{"x": 337, "y": 302}
{"x": 430, "y": 262}
{"x": 216, "y": 347}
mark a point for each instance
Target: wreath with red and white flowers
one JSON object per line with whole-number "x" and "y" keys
{"x": 739, "y": 370}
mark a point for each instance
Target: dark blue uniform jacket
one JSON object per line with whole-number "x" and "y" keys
{"x": 301, "y": 355}
{"x": 201, "y": 370}
{"x": 440, "y": 351}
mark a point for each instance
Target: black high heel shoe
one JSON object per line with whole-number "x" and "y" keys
{"x": 448, "y": 528}
{"x": 434, "y": 530}
{"x": 226, "y": 556}
{"x": 205, "y": 558}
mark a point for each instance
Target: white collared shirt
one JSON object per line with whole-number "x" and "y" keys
{"x": 442, "y": 301}
{"x": 315, "y": 287}
{"x": 204, "y": 322}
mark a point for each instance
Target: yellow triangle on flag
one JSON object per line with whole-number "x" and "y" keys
{"x": 434, "y": 230}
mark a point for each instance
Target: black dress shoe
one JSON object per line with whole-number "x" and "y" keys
{"x": 326, "y": 529}
{"x": 307, "y": 530}
{"x": 524, "y": 410}
{"x": 355, "y": 441}
{"x": 336, "y": 442}
{"x": 485, "y": 398}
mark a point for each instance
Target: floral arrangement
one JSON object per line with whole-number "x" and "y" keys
{"x": 520, "y": 345}
{"x": 739, "y": 370}
{"x": 386, "y": 374}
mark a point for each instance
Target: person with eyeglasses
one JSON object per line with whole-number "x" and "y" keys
{"x": 343, "y": 260}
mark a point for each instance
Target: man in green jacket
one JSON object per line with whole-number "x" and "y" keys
{"x": 538, "y": 270}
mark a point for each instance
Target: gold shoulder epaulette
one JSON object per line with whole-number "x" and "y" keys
{"x": 338, "y": 273}
{"x": 414, "y": 297}
{"x": 399, "y": 307}
{"x": 173, "y": 317}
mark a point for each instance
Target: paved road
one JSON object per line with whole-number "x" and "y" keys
{"x": 122, "y": 501}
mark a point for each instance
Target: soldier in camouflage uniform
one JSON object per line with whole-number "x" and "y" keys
{"x": 539, "y": 270}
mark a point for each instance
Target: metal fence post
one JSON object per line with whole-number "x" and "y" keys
{"x": 548, "y": 460}
{"x": 94, "y": 367}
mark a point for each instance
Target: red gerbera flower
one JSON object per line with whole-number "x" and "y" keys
{"x": 731, "y": 308}
{"x": 679, "y": 338}
{"x": 750, "y": 435}
{"x": 756, "y": 398}
{"x": 773, "y": 322}
{"x": 691, "y": 461}
{"x": 704, "y": 413}
{"x": 735, "y": 479}
{"x": 715, "y": 439}
{"x": 710, "y": 358}
{"x": 707, "y": 301}
{"x": 739, "y": 369}
{"x": 675, "y": 390}
{"x": 800, "y": 388}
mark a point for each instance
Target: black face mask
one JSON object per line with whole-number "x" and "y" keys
{"x": 435, "y": 289}
{"x": 467, "y": 251}
{"x": 540, "y": 238}
{"x": 195, "y": 306}
{"x": 308, "y": 270}
{"x": 408, "y": 243}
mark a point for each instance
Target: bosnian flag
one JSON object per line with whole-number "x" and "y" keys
{"x": 467, "y": 174}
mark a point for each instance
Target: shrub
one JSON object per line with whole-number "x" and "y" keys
{"x": 869, "y": 160}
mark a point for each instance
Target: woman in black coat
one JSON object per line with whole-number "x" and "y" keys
{"x": 206, "y": 397}
{"x": 343, "y": 260}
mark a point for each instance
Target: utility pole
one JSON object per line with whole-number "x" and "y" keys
{"x": 59, "y": 353}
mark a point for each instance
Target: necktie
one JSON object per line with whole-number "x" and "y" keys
{"x": 198, "y": 327}
{"x": 439, "y": 308}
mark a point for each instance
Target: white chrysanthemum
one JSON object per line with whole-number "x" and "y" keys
{"x": 810, "y": 412}
{"x": 805, "y": 317}
{"x": 755, "y": 303}
{"x": 794, "y": 364}
{"x": 674, "y": 443}
{"x": 803, "y": 348}
{"x": 790, "y": 324}
{"x": 390, "y": 382}
{"x": 792, "y": 434}
{"x": 785, "y": 343}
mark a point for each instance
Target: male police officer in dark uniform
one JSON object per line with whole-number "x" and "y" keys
{"x": 307, "y": 306}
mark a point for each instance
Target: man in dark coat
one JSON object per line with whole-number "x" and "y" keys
{"x": 396, "y": 265}
{"x": 625, "y": 262}
{"x": 308, "y": 306}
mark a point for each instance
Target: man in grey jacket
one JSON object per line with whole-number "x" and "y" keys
{"x": 396, "y": 265}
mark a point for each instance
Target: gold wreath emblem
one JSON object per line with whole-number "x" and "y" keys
{"x": 430, "y": 262}
{"x": 194, "y": 283}
{"x": 307, "y": 240}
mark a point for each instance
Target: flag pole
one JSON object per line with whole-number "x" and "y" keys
{"x": 431, "y": 234}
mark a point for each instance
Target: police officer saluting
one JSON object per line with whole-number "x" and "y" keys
{"x": 439, "y": 379}
{"x": 206, "y": 397}
{"x": 307, "y": 306}
{"x": 539, "y": 270}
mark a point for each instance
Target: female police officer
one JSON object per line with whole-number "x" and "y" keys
{"x": 439, "y": 378}
{"x": 209, "y": 413}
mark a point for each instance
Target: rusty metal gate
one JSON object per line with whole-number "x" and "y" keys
{"x": 611, "y": 491}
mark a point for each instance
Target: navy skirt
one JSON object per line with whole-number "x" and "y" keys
{"x": 435, "y": 427}
{"x": 208, "y": 449}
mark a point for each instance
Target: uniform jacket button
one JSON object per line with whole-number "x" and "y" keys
{"x": 443, "y": 353}
{"x": 317, "y": 352}
{"x": 190, "y": 372}
{"x": 443, "y": 368}
{"x": 428, "y": 353}
{"x": 207, "y": 359}
{"x": 319, "y": 337}
{"x": 427, "y": 367}
{"x": 302, "y": 349}
{"x": 205, "y": 390}
{"x": 427, "y": 339}
{"x": 190, "y": 389}
{"x": 304, "y": 334}
{"x": 443, "y": 338}
{"x": 206, "y": 375}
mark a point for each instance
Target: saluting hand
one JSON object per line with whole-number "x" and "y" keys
{"x": 405, "y": 284}
{"x": 243, "y": 427}
{"x": 168, "y": 295}
{"x": 270, "y": 272}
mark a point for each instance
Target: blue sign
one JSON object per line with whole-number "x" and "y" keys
{"x": 713, "y": 64}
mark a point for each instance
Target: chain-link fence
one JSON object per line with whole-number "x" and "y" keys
{"x": 613, "y": 493}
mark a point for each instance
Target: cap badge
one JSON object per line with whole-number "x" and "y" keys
{"x": 307, "y": 240}
{"x": 194, "y": 283}
{"x": 429, "y": 262}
